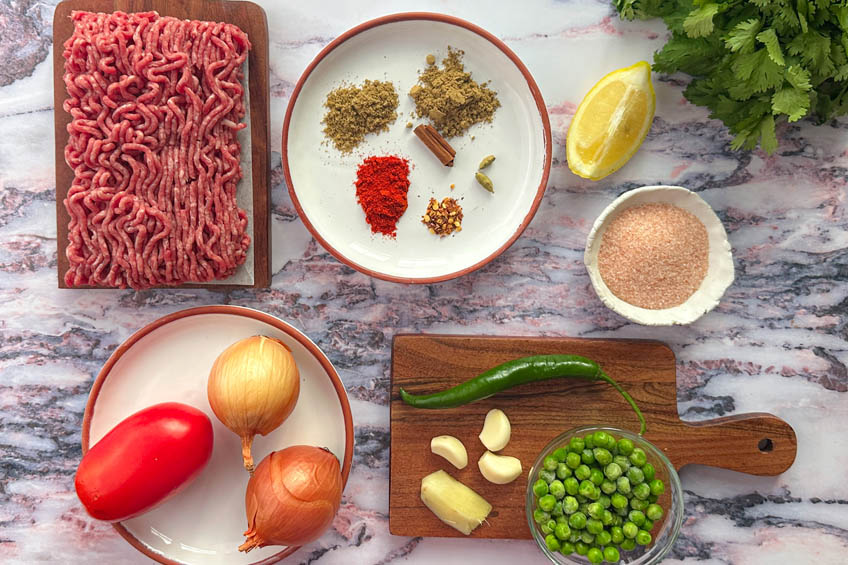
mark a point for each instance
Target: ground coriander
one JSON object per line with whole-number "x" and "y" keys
{"x": 355, "y": 111}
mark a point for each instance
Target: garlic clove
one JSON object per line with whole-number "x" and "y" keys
{"x": 496, "y": 430}
{"x": 451, "y": 449}
{"x": 499, "y": 469}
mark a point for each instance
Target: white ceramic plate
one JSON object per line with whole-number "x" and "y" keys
{"x": 720, "y": 270}
{"x": 169, "y": 360}
{"x": 320, "y": 178}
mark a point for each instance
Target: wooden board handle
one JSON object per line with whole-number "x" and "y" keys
{"x": 756, "y": 443}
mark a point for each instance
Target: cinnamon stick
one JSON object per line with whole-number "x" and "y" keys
{"x": 436, "y": 143}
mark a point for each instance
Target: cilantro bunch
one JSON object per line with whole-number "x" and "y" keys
{"x": 755, "y": 62}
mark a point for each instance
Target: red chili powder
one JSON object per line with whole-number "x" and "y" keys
{"x": 381, "y": 187}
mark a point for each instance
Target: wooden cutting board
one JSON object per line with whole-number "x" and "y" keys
{"x": 760, "y": 444}
{"x": 251, "y": 19}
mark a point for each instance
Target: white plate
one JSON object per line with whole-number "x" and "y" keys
{"x": 720, "y": 270}
{"x": 320, "y": 178}
{"x": 169, "y": 360}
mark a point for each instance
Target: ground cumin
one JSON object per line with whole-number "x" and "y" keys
{"x": 450, "y": 98}
{"x": 355, "y": 111}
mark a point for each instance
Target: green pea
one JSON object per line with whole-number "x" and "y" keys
{"x": 562, "y": 471}
{"x": 577, "y": 521}
{"x": 623, "y": 485}
{"x": 608, "y": 487}
{"x": 638, "y": 457}
{"x": 635, "y": 475}
{"x": 612, "y": 471}
{"x": 557, "y": 511}
{"x": 582, "y": 499}
{"x": 648, "y": 525}
{"x": 596, "y": 476}
{"x": 562, "y": 531}
{"x": 576, "y": 445}
{"x": 607, "y": 518}
{"x": 643, "y": 537}
{"x": 547, "y": 502}
{"x": 617, "y": 534}
{"x": 602, "y": 456}
{"x": 559, "y": 454}
{"x": 587, "y": 537}
{"x": 642, "y": 491}
{"x": 636, "y": 504}
{"x": 547, "y": 476}
{"x": 617, "y": 520}
{"x": 611, "y": 443}
{"x": 657, "y": 487}
{"x": 540, "y": 516}
{"x": 601, "y": 438}
{"x": 589, "y": 441}
{"x": 581, "y": 548}
{"x": 561, "y": 520}
{"x": 594, "y": 526}
{"x": 557, "y": 489}
{"x": 622, "y": 462}
{"x": 572, "y": 460}
{"x": 582, "y": 472}
{"x": 566, "y": 548}
{"x": 622, "y": 511}
{"x": 654, "y": 512}
{"x": 625, "y": 446}
{"x": 595, "y": 510}
{"x": 571, "y": 485}
{"x": 653, "y": 498}
{"x": 548, "y": 527}
{"x": 552, "y": 542}
{"x": 649, "y": 471}
{"x": 628, "y": 545}
{"x": 637, "y": 517}
{"x": 586, "y": 488}
{"x": 618, "y": 500}
{"x": 549, "y": 463}
{"x": 611, "y": 555}
{"x": 574, "y": 537}
{"x": 569, "y": 505}
{"x": 595, "y": 555}
{"x": 604, "y": 501}
{"x": 603, "y": 538}
{"x": 630, "y": 530}
{"x": 540, "y": 488}
{"x": 588, "y": 456}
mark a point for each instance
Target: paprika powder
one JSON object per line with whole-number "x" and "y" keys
{"x": 382, "y": 184}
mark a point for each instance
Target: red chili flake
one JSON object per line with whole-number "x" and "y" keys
{"x": 381, "y": 187}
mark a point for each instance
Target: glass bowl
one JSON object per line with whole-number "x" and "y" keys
{"x": 664, "y": 534}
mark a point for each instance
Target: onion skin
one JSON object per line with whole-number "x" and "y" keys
{"x": 292, "y": 497}
{"x": 253, "y": 387}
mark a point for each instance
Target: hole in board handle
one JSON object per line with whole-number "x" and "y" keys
{"x": 765, "y": 445}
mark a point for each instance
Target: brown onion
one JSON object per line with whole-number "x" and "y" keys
{"x": 292, "y": 497}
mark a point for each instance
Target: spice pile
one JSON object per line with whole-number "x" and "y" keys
{"x": 654, "y": 256}
{"x": 443, "y": 219}
{"x": 450, "y": 98}
{"x": 354, "y": 111}
{"x": 381, "y": 187}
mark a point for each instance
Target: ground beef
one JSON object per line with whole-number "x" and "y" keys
{"x": 156, "y": 104}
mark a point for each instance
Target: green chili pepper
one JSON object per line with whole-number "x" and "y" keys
{"x": 518, "y": 372}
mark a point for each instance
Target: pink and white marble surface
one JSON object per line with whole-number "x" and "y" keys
{"x": 776, "y": 343}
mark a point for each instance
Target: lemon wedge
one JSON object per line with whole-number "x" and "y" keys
{"x": 611, "y": 122}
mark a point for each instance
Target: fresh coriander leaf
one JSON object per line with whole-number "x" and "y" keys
{"x": 742, "y": 38}
{"x": 814, "y": 50}
{"x": 769, "y": 39}
{"x": 799, "y": 77}
{"x": 699, "y": 23}
{"x": 768, "y": 137}
{"x": 792, "y": 102}
{"x": 694, "y": 56}
{"x": 743, "y": 66}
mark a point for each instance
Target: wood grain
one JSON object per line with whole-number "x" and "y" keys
{"x": 541, "y": 411}
{"x": 251, "y": 19}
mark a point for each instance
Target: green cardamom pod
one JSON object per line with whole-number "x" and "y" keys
{"x": 488, "y": 160}
{"x": 485, "y": 182}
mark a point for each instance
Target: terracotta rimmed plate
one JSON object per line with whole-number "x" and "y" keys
{"x": 169, "y": 360}
{"x": 320, "y": 178}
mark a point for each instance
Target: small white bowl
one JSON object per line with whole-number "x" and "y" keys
{"x": 719, "y": 272}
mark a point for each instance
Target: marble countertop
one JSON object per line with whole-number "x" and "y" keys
{"x": 776, "y": 343}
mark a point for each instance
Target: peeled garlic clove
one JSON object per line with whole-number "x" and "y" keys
{"x": 453, "y": 503}
{"x": 499, "y": 469}
{"x": 496, "y": 430}
{"x": 451, "y": 449}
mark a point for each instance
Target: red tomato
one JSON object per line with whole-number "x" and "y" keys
{"x": 143, "y": 460}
